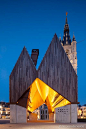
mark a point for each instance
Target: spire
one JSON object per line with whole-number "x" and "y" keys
{"x": 73, "y": 37}
{"x": 66, "y": 18}
{"x": 66, "y": 27}
{"x": 66, "y": 37}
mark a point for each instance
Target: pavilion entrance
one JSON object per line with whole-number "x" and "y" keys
{"x": 42, "y": 101}
{"x": 38, "y": 103}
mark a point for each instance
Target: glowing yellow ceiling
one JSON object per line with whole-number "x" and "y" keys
{"x": 41, "y": 93}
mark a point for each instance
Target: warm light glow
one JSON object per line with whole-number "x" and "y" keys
{"x": 38, "y": 117}
{"x": 0, "y": 106}
{"x": 79, "y": 112}
{"x": 1, "y": 112}
{"x": 41, "y": 93}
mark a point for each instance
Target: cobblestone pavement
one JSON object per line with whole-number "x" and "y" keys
{"x": 43, "y": 126}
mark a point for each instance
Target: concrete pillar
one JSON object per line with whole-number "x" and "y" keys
{"x": 21, "y": 114}
{"x": 62, "y": 114}
{"x": 73, "y": 113}
{"x": 18, "y": 114}
{"x": 66, "y": 114}
{"x": 13, "y": 113}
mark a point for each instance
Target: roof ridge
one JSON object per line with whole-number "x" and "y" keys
{"x": 23, "y": 50}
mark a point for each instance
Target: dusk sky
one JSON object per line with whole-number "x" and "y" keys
{"x": 33, "y": 24}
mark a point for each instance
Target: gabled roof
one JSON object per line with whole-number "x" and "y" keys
{"x": 55, "y": 70}
{"x": 22, "y": 53}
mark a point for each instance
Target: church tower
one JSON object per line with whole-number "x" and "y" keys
{"x": 69, "y": 46}
{"x": 74, "y": 53}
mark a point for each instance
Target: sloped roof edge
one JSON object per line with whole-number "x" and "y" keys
{"x": 24, "y": 50}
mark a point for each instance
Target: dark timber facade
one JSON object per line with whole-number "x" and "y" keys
{"x": 55, "y": 70}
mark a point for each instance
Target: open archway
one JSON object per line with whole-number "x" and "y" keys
{"x": 38, "y": 94}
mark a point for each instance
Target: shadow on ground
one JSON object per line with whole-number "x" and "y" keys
{"x": 4, "y": 121}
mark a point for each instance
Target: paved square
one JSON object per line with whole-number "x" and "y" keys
{"x": 40, "y": 125}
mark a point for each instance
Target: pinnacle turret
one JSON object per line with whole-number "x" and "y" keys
{"x": 66, "y": 27}
{"x": 73, "y": 38}
{"x": 66, "y": 38}
{"x": 66, "y": 22}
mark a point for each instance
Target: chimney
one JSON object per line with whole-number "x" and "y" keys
{"x": 34, "y": 55}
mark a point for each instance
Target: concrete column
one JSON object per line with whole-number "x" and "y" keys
{"x": 18, "y": 114}
{"x": 13, "y": 113}
{"x": 62, "y": 114}
{"x": 73, "y": 113}
{"x": 21, "y": 114}
{"x": 66, "y": 114}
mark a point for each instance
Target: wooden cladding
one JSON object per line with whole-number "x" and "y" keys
{"x": 55, "y": 70}
{"x": 22, "y": 76}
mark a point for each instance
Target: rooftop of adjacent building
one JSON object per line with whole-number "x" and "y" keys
{"x": 4, "y": 104}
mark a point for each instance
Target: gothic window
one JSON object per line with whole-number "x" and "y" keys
{"x": 66, "y": 38}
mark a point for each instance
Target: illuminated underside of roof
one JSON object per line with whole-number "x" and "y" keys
{"x": 41, "y": 93}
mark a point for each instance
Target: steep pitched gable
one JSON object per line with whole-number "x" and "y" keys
{"x": 22, "y": 75}
{"x": 57, "y": 72}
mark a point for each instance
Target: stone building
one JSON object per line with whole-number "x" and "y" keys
{"x": 81, "y": 112}
{"x": 4, "y": 110}
{"x": 69, "y": 46}
{"x": 54, "y": 83}
{"x": 42, "y": 112}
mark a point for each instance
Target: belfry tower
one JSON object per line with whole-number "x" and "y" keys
{"x": 69, "y": 46}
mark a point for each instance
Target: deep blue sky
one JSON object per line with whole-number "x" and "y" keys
{"x": 33, "y": 24}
